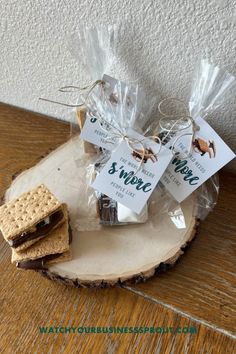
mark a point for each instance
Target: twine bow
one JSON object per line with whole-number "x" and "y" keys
{"x": 114, "y": 132}
{"x": 175, "y": 120}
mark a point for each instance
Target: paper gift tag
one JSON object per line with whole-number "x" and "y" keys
{"x": 114, "y": 102}
{"x": 93, "y": 133}
{"x": 121, "y": 178}
{"x": 209, "y": 154}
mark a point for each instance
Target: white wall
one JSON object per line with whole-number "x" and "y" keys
{"x": 163, "y": 39}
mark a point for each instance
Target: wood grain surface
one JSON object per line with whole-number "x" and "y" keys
{"x": 203, "y": 283}
{"x": 30, "y": 301}
{"x": 25, "y": 139}
{"x": 198, "y": 292}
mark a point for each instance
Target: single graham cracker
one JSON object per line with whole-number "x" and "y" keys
{"x": 56, "y": 242}
{"x": 81, "y": 117}
{"x": 21, "y": 214}
{"x": 64, "y": 257}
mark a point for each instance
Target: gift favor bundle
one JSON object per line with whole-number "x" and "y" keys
{"x": 148, "y": 154}
{"x": 135, "y": 161}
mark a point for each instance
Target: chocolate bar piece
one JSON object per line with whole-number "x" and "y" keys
{"x": 113, "y": 213}
{"x": 37, "y": 263}
{"x": 81, "y": 116}
{"x": 107, "y": 210}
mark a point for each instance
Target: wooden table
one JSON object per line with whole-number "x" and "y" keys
{"x": 199, "y": 292}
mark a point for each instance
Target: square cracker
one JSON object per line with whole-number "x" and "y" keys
{"x": 23, "y": 213}
{"x": 64, "y": 257}
{"x": 81, "y": 117}
{"x": 56, "y": 242}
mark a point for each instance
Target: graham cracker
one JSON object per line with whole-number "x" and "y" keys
{"x": 21, "y": 214}
{"x": 56, "y": 242}
{"x": 64, "y": 257}
{"x": 81, "y": 117}
{"x": 42, "y": 264}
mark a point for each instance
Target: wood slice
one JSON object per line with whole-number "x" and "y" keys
{"x": 103, "y": 255}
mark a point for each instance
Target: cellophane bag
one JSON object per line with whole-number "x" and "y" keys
{"x": 211, "y": 88}
{"x": 122, "y": 105}
{"x": 117, "y": 106}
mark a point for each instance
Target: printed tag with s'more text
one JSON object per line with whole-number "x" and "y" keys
{"x": 94, "y": 133}
{"x": 125, "y": 180}
{"x": 209, "y": 154}
{"x": 106, "y": 99}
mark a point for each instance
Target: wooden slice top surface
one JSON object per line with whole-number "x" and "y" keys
{"x": 104, "y": 254}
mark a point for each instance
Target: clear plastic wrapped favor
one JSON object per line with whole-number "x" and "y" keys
{"x": 117, "y": 106}
{"x": 211, "y": 88}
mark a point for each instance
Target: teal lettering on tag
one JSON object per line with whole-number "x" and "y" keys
{"x": 113, "y": 168}
{"x": 129, "y": 178}
{"x": 182, "y": 168}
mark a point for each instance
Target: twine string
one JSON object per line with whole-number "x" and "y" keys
{"x": 72, "y": 88}
{"x": 117, "y": 133}
{"x": 114, "y": 132}
{"x": 178, "y": 119}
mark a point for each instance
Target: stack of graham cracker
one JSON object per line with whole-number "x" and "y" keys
{"x": 36, "y": 226}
